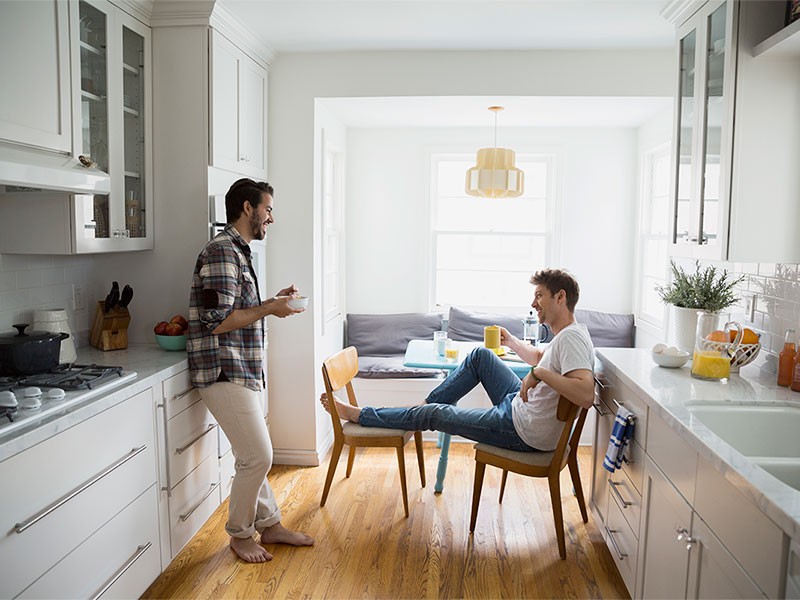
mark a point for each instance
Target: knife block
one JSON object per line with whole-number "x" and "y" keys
{"x": 110, "y": 329}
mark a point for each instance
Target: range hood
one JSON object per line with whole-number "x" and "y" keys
{"x": 50, "y": 171}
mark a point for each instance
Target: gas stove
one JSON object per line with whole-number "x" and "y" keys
{"x": 27, "y": 398}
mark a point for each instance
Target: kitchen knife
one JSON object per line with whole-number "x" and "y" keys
{"x": 126, "y": 296}
{"x": 113, "y": 297}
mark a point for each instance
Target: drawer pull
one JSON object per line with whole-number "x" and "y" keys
{"x": 621, "y": 555}
{"x": 168, "y": 487}
{"x": 210, "y": 491}
{"x": 183, "y": 449}
{"x": 618, "y": 403}
{"x": 683, "y": 536}
{"x": 184, "y": 393}
{"x": 128, "y": 564}
{"x": 600, "y": 383}
{"x": 599, "y": 409}
{"x": 614, "y": 484}
{"x": 20, "y": 527}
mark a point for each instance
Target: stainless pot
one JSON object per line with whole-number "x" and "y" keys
{"x": 28, "y": 353}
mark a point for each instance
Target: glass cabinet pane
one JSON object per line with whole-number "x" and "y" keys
{"x": 93, "y": 30}
{"x": 133, "y": 109}
{"x": 716, "y": 109}
{"x": 685, "y": 141}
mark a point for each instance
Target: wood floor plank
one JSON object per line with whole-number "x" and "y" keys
{"x": 366, "y": 548}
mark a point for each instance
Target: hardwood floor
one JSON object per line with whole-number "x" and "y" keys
{"x": 366, "y": 548}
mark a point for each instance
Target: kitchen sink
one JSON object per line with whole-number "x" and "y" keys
{"x": 767, "y": 435}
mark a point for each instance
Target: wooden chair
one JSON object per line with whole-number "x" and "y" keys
{"x": 539, "y": 464}
{"x": 338, "y": 372}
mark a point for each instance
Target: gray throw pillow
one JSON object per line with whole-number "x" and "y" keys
{"x": 388, "y": 335}
{"x": 608, "y": 330}
{"x": 468, "y": 326}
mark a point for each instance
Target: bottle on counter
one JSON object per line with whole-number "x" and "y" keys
{"x": 786, "y": 359}
{"x": 796, "y": 372}
{"x": 530, "y": 329}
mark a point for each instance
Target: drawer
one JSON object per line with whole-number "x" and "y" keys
{"x": 614, "y": 394}
{"x": 627, "y": 498}
{"x": 673, "y": 456}
{"x": 123, "y": 556}
{"x": 226, "y": 473}
{"x": 193, "y": 501}
{"x": 179, "y": 393}
{"x": 623, "y": 545}
{"x": 76, "y": 482}
{"x": 793, "y": 572}
{"x": 753, "y": 539}
{"x": 191, "y": 438}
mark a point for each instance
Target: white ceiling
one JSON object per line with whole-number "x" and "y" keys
{"x": 357, "y": 25}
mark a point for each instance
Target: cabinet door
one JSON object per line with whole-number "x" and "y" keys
{"x": 225, "y": 64}
{"x": 602, "y": 433}
{"x": 35, "y": 74}
{"x": 665, "y": 557}
{"x": 253, "y": 121}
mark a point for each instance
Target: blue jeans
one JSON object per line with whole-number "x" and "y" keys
{"x": 487, "y": 425}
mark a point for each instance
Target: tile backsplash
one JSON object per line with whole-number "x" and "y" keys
{"x": 31, "y": 282}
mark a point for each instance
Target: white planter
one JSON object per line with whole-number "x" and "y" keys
{"x": 682, "y": 327}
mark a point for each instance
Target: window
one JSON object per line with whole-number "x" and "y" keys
{"x": 485, "y": 249}
{"x": 653, "y": 235}
{"x": 332, "y": 232}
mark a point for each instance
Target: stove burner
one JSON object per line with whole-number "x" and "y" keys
{"x": 65, "y": 376}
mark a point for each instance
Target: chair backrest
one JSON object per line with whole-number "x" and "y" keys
{"x": 567, "y": 412}
{"x": 338, "y": 372}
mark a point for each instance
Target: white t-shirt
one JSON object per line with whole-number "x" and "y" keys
{"x": 535, "y": 420}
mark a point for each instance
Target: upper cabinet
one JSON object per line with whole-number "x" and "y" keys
{"x": 238, "y": 110}
{"x": 34, "y": 39}
{"x": 734, "y": 191}
{"x": 114, "y": 115}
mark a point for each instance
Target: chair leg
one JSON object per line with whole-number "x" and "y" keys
{"x": 480, "y": 470}
{"x": 350, "y": 458}
{"x": 420, "y": 456}
{"x": 576, "y": 485}
{"x": 555, "y": 499}
{"x": 401, "y": 463}
{"x": 335, "y": 454}
{"x": 503, "y": 486}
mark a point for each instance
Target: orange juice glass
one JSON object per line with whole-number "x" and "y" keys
{"x": 711, "y": 365}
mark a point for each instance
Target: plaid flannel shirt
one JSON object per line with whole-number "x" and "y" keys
{"x": 224, "y": 281}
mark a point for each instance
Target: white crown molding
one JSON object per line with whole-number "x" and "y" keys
{"x": 223, "y": 21}
{"x": 177, "y": 13}
{"x": 678, "y": 11}
{"x": 138, "y": 9}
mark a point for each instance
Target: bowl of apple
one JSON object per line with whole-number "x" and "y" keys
{"x": 171, "y": 335}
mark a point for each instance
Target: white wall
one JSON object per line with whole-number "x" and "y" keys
{"x": 297, "y": 80}
{"x": 389, "y": 197}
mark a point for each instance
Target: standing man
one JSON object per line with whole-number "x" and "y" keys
{"x": 523, "y": 415}
{"x": 226, "y": 350}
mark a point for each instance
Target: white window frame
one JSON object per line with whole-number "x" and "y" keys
{"x": 551, "y": 252}
{"x": 332, "y": 194}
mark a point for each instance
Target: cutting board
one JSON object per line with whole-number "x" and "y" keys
{"x": 110, "y": 329}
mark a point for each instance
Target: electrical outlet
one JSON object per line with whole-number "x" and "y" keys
{"x": 750, "y": 307}
{"x": 78, "y": 297}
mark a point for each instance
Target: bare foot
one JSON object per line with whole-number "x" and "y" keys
{"x": 345, "y": 411}
{"x": 278, "y": 534}
{"x": 249, "y": 551}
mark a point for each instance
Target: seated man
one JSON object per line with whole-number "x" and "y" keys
{"x": 523, "y": 415}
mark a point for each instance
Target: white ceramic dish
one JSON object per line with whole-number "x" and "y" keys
{"x": 670, "y": 361}
{"x": 298, "y": 302}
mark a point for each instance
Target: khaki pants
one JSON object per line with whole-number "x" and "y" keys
{"x": 238, "y": 411}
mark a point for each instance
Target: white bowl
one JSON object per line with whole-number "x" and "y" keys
{"x": 670, "y": 361}
{"x": 298, "y": 302}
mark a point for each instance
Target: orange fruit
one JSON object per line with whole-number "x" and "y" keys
{"x": 717, "y": 336}
{"x": 748, "y": 336}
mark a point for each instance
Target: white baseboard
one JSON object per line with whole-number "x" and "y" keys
{"x": 304, "y": 458}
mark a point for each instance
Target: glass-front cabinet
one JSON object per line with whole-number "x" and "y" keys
{"x": 703, "y": 132}
{"x": 114, "y": 120}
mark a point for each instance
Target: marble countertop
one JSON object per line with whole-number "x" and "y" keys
{"x": 667, "y": 392}
{"x": 150, "y": 362}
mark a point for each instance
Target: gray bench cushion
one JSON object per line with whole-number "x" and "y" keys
{"x": 465, "y": 326}
{"x": 608, "y": 330}
{"x": 390, "y": 367}
{"x": 388, "y": 335}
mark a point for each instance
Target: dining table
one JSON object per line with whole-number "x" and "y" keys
{"x": 422, "y": 354}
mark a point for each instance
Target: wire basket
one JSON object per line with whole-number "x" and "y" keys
{"x": 745, "y": 353}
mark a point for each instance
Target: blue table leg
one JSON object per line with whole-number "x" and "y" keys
{"x": 441, "y": 471}
{"x": 439, "y": 439}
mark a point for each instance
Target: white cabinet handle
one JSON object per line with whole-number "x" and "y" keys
{"x": 128, "y": 564}
{"x": 614, "y": 484}
{"x": 183, "y": 449}
{"x": 611, "y": 532}
{"x": 210, "y": 491}
{"x": 20, "y": 527}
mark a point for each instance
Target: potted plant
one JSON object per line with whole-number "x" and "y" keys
{"x": 710, "y": 289}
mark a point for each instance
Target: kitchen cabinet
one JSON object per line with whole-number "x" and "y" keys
{"x": 238, "y": 110}
{"x": 83, "y": 505}
{"x": 35, "y": 95}
{"x": 189, "y": 462}
{"x": 733, "y": 190}
{"x": 113, "y": 116}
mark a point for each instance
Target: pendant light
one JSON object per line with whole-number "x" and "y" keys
{"x": 495, "y": 175}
